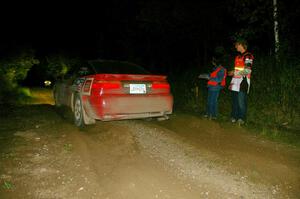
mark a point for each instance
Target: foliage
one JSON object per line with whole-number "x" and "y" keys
{"x": 7, "y": 185}
{"x": 58, "y": 65}
{"x": 276, "y": 86}
{"x": 186, "y": 30}
{"x": 13, "y": 70}
{"x": 255, "y": 22}
{"x": 186, "y": 92}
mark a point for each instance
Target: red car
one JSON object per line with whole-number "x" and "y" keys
{"x": 113, "y": 90}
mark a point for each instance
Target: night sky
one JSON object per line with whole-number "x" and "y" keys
{"x": 85, "y": 29}
{"x": 151, "y": 31}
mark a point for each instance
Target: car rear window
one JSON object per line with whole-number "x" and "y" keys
{"x": 117, "y": 67}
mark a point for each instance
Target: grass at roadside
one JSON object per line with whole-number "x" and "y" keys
{"x": 25, "y": 95}
{"x": 275, "y": 133}
{"x": 41, "y": 96}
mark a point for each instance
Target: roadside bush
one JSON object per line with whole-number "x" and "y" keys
{"x": 274, "y": 97}
{"x": 57, "y": 66}
{"x": 13, "y": 70}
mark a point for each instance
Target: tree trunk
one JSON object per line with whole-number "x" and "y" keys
{"x": 276, "y": 30}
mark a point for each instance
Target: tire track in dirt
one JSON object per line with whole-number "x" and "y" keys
{"x": 119, "y": 168}
{"x": 242, "y": 153}
{"x": 190, "y": 163}
{"x": 180, "y": 158}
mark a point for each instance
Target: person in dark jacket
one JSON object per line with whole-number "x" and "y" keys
{"x": 216, "y": 82}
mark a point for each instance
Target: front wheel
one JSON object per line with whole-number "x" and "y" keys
{"x": 78, "y": 112}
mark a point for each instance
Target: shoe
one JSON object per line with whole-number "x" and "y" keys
{"x": 240, "y": 121}
{"x": 233, "y": 120}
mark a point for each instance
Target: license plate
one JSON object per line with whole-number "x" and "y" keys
{"x": 137, "y": 88}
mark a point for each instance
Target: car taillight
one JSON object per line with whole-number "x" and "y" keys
{"x": 106, "y": 85}
{"x": 87, "y": 85}
{"x": 162, "y": 85}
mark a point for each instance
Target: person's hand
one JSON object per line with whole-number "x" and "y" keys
{"x": 200, "y": 76}
{"x": 230, "y": 73}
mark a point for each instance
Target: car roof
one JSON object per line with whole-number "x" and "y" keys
{"x": 116, "y": 67}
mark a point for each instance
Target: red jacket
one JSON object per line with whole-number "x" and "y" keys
{"x": 213, "y": 77}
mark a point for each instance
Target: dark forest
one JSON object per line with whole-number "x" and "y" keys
{"x": 175, "y": 38}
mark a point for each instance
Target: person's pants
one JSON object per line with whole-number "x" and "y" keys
{"x": 239, "y": 105}
{"x": 212, "y": 103}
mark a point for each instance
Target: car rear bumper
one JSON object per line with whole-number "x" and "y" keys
{"x": 107, "y": 108}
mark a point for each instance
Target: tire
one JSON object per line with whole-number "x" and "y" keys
{"x": 78, "y": 112}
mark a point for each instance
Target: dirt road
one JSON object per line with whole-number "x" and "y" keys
{"x": 43, "y": 155}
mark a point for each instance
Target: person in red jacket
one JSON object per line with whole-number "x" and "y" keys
{"x": 216, "y": 82}
{"x": 240, "y": 82}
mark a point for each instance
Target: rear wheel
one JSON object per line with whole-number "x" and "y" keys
{"x": 78, "y": 112}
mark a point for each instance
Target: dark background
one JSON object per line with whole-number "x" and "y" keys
{"x": 165, "y": 36}
{"x": 41, "y": 40}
